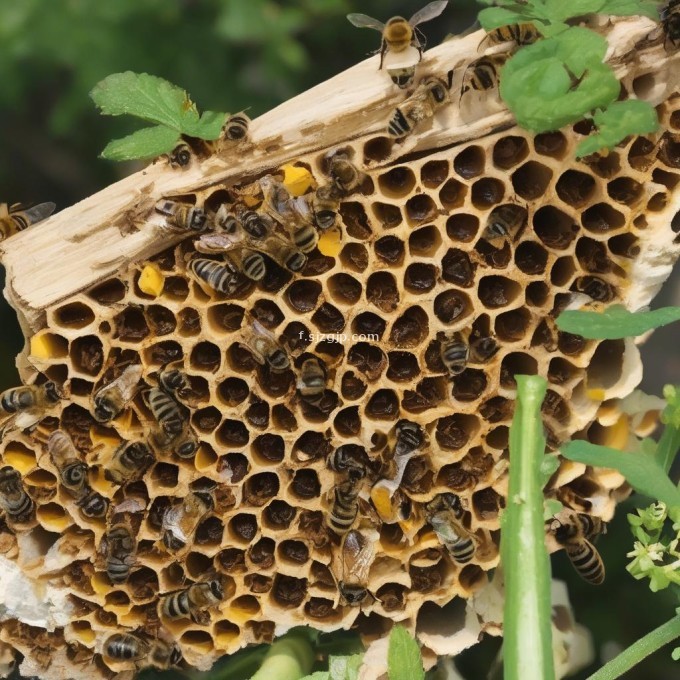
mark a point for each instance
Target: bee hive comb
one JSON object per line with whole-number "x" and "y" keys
{"x": 183, "y": 557}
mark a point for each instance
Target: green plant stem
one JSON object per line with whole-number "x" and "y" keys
{"x": 668, "y": 446}
{"x": 526, "y": 620}
{"x": 239, "y": 666}
{"x": 289, "y": 658}
{"x": 639, "y": 650}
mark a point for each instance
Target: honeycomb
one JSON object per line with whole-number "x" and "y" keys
{"x": 410, "y": 265}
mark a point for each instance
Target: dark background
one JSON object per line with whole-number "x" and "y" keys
{"x": 232, "y": 55}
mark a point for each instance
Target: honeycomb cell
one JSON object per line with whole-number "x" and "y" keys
{"x": 87, "y": 354}
{"x": 602, "y": 218}
{"x": 354, "y": 256}
{"x": 403, "y": 366}
{"x": 347, "y": 422}
{"x": 555, "y": 229}
{"x": 531, "y": 180}
{"x": 205, "y": 356}
{"x": 419, "y": 278}
{"x": 289, "y": 591}
{"x": 454, "y": 432}
{"x": 452, "y": 194}
{"x": 108, "y": 292}
{"x": 397, "y": 182}
{"x": 189, "y": 322}
{"x": 303, "y": 295}
{"x": 283, "y": 418}
{"x": 328, "y": 319}
{"x": 268, "y": 449}
{"x": 498, "y": 291}
{"x": 531, "y": 258}
{"x": 595, "y": 287}
{"x": 207, "y": 419}
{"x": 369, "y": 325}
{"x": 343, "y": 288}
{"x": 367, "y": 359}
{"x": 410, "y": 329}
{"x": 305, "y": 484}
{"x": 551, "y": 144}
{"x": 470, "y": 162}
{"x": 355, "y": 220}
{"x": 562, "y": 272}
{"x": 625, "y": 245}
{"x": 278, "y": 515}
{"x": 377, "y": 149}
{"x": 383, "y": 405}
{"x": 75, "y": 315}
{"x": 435, "y": 172}
{"x": 420, "y": 208}
{"x": 233, "y": 433}
{"x": 388, "y": 215}
{"x": 161, "y": 320}
{"x": 293, "y": 552}
{"x": 352, "y": 387}
{"x": 469, "y": 385}
{"x": 641, "y": 154}
{"x": 257, "y": 414}
{"x": 509, "y": 151}
{"x": 516, "y": 363}
{"x": 487, "y": 192}
{"x": 575, "y": 188}
{"x": 625, "y": 190}
{"x": 486, "y": 504}
{"x": 233, "y": 391}
{"x": 243, "y": 527}
{"x": 382, "y": 291}
{"x": 462, "y": 227}
{"x": 451, "y": 306}
{"x": 424, "y": 242}
{"x": 176, "y": 288}
{"x": 259, "y": 488}
{"x": 537, "y": 293}
{"x": 457, "y": 268}
{"x": 261, "y": 554}
{"x": 161, "y": 353}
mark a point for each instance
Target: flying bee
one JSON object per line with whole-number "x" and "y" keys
{"x": 182, "y": 216}
{"x": 312, "y": 380}
{"x": 398, "y": 35}
{"x": 29, "y": 398}
{"x": 410, "y": 438}
{"x": 236, "y": 127}
{"x": 347, "y": 177}
{"x": 483, "y": 74}
{"x": 180, "y": 521}
{"x": 66, "y": 458}
{"x": 444, "y": 513}
{"x": 431, "y": 94}
{"x": 119, "y": 547}
{"x": 575, "y": 534}
{"x": 192, "y": 600}
{"x": 345, "y": 505}
{"x": 15, "y": 218}
{"x": 223, "y": 277}
{"x": 93, "y": 505}
{"x": 504, "y": 221}
{"x": 110, "y": 400}
{"x": 125, "y": 647}
{"x": 454, "y": 354}
{"x": 522, "y": 34}
{"x": 14, "y": 500}
{"x": 358, "y": 553}
{"x": 130, "y": 461}
{"x": 325, "y": 202}
{"x": 264, "y": 347}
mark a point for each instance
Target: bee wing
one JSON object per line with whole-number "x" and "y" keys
{"x": 357, "y": 556}
{"x": 39, "y": 212}
{"x": 430, "y": 11}
{"x": 364, "y": 21}
{"x": 127, "y": 381}
{"x": 217, "y": 242}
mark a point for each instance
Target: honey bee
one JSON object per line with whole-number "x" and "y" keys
{"x": 346, "y": 176}
{"x": 93, "y": 505}
{"x": 29, "y": 398}
{"x": 325, "y": 203}
{"x": 454, "y": 354}
{"x": 358, "y": 553}
{"x": 226, "y": 220}
{"x": 444, "y": 513}
{"x": 110, "y": 400}
{"x": 15, "y": 218}
{"x": 342, "y": 460}
{"x": 312, "y": 380}
{"x": 345, "y": 505}
{"x": 164, "y": 654}
{"x": 483, "y": 74}
{"x": 66, "y": 458}
{"x": 174, "y": 381}
{"x": 522, "y": 34}
{"x": 305, "y": 238}
{"x": 670, "y": 21}
{"x": 286, "y": 255}
{"x": 119, "y": 551}
{"x": 410, "y": 438}
{"x": 236, "y": 127}
{"x": 14, "y": 500}
{"x": 430, "y": 95}
{"x": 575, "y": 533}
{"x": 182, "y": 216}
{"x": 398, "y": 35}
{"x": 167, "y": 412}
{"x": 125, "y": 647}
{"x": 257, "y": 225}
{"x": 180, "y": 521}
{"x": 247, "y": 262}
{"x": 223, "y": 277}
{"x": 180, "y": 156}
{"x": 264, "y": 347}
{"x": 505, "y": 220}
{"x": 190, "y": 601}
{"x": 130, "y": 460}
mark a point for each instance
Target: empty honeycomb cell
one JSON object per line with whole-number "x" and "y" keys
{"x": 601, "y": 218}
{"x": 595, "y": 287}
{"x": 667, "y": 179}
{"x": 497, "y": 291}
{"x": 328, "y": 319}
{"x": 268, "y": 449}
{"x": 261, "y": 554}
{"x": 470, "y": 162}
{"x": 160, "y": 320}
{"x": 205, "y": 356}
{"x": 625, "y": 190}
{"x": 354, "y": 256}
{"x": 230, "y": 561}
{"x": 383, "y": 405}
{"x": 592, "y": 256}
{"x": 108, "y": 292}
{"x": 531, "y": 257}
{"x": 575, "y": 188}
{"x": 233, "y": 433}
{"x": 517, "y": 363}
{"x": 425, "y": 241}
{"x": 293, "y": 552}
{"x": 555, "y": 228}
{"x": 657, "y": 202}
{"x": 640, "y": 222}
{"x": 377, "y": 149}
{"x": 531, "y": 180}
{"x": 311, "y": 446}
{"x": 496, "y": 409}
{"x": 435, "y": 172}
{"x": 390, "y": 250}
{"x": 343, "y": 288}
{"x": 641, "y": 154}
{"x": 258, "y": 584}
{"x": 57, "y": 373}
{"x": 403, "y": 366}
{"x": 259, "y": 488}
{"x": 397, "y": 182}
{"x": 428, "y": 394}
{"x": 257, "y": 414}
{"x": 199, "y": 640}
{"x": 419, "y": 278}
{"x": 454, "y": 432}
{"x": 457, "y": 268}
{"x": 162, "y": 353}
{"x": 369, "y": 325}
{"x": 487, "y": 192}
{"x": 320, "y": 608}
{"x": 544, "y": 336}
{"x": 509, "y": 151}
{"x": 288, "y": 591}
{"x": 209, "y": 532}
{"x": 472, "y": 577}
{"x": 410, "y": 328}
{"x": 305, "y": 484}
{"x": 382, "y": 291}
{"x": 536, "y": 294}
{"x": 355, "y": 220}
{"x": 74, "y": 315}
{"x": 240, "y": 359}
{"x": 80, "y": 387}
{"x": 462, "y": 227}
{"x": 469, "y": 385}
{"x": 606, "y": 365}
{"x": 87, "y": 354}
{"x": 207, "y": 419}
{"x": 625, "y": 245}
{"x": 610, "y": 165}
{"x": 486, "y": 504}
{"x": 669, "y": 153}
{"x": 243, "y": 527}
{"x": 562, "y": 272}
{"x": 561, "y": 371}
{"x": 278, "y": 515}
{"x": 498, "y": 438}
{"x": 420, "y": 208}
{"x": 176, "y": 288}
{"x": 451, "y": 306}
{"x": 131, "y": 325}
{"x": 347, "y": 422}
{"x": 189, "y": 322}
{"x": 352, "y": 387}
{"x": 495, "y": 257}
{"x": 165, "y": 475}
{"x": 551, "y": 144}
{"x": 452, "y": 194}
{"x": 644, "y": 85}
{"x": 388, "y": 215}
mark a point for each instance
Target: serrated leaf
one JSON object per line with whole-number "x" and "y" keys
{"x": 615, "y": 322}
{"x": 344, "y": 667}
{"x": 632, "y": 8}
{"x": 208, "y": 126}
{"x": 148, "y": 97}
{"x": 641, "y": 471}
{"x": 403, "y": 656}
{"x": 145, "y": 143}
{"x": 618, "y": 121}
{"x": 495, "y": 17}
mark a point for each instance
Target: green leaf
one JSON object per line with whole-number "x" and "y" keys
{"x": 618, "y": 121}
{"x": 641, "y": 471}
{"x": 549, "y": 466}
{"x": 551, "y": 506}
{"x": 559, "y": 10}
{"x": 319, "y": 675}
{"x": 632, "y": 8}
{"x": 495, "y": 17}
{"x": 344, "y": 667}
{"x": 148, "y": 97}
{"x": 615, "y": 322}
{"x": 403, "y": 656}
{"x": 145, "y": 143}
{"x": 208, "y": 126}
